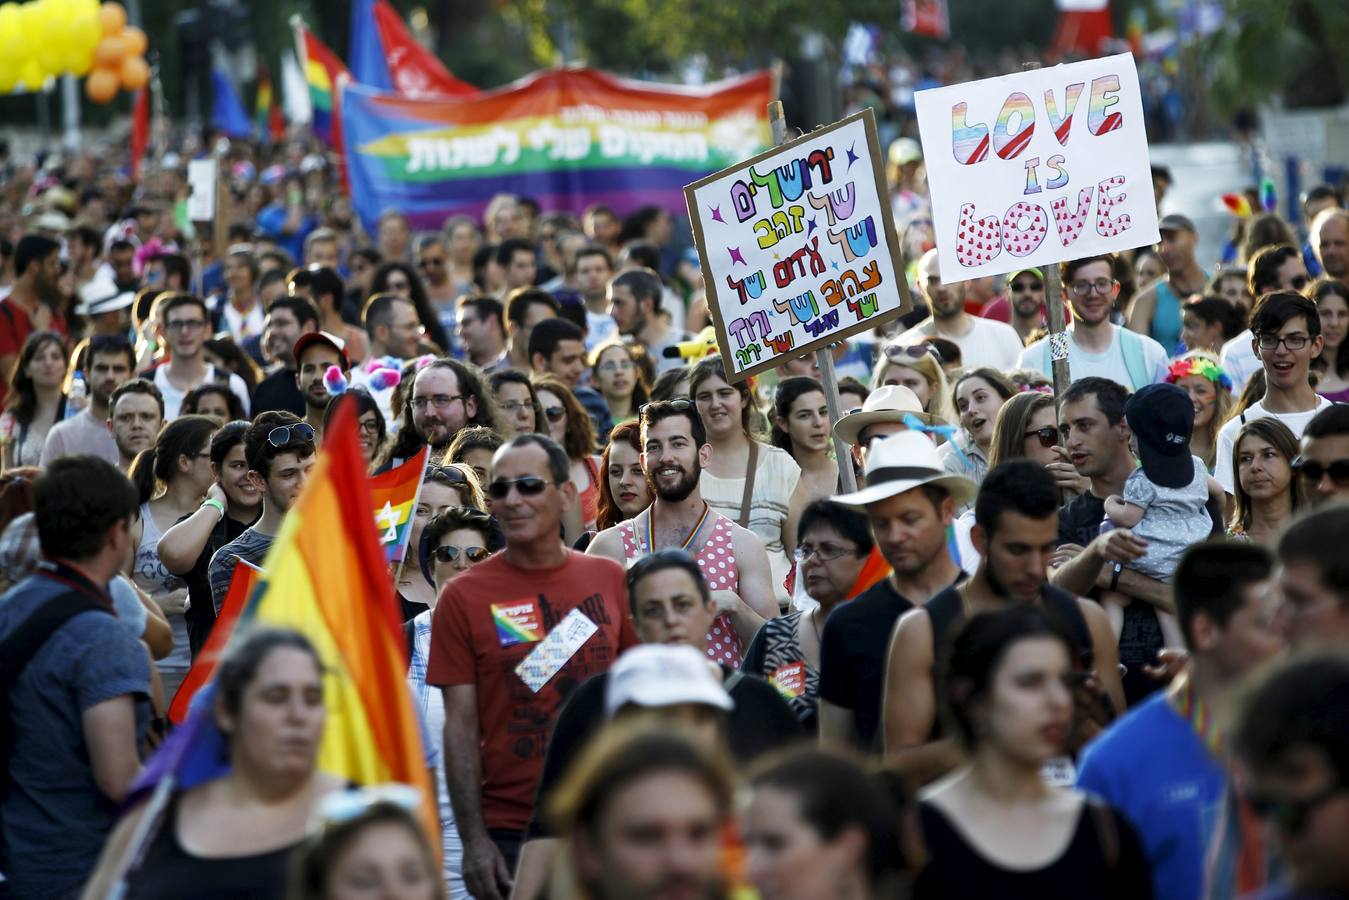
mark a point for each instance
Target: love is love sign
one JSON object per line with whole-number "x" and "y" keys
{"x": 1037, "y": 167}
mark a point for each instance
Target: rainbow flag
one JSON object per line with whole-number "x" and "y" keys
{"x": 567, "y": 137}
{"x": 266, "y": 114}
{"x": 321, "y": 68}
{"x": 394, "y": 498}
{"x": 245, "y": 579}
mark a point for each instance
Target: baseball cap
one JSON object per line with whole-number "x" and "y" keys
{"x": 664, "y": 675}
{"x": 1161, "y": 417}
{"x": 1176, "y": 222}
{"x": 905, "y": 150}
{"x": 1029, "y": 270}
{"x": 310, "y": 338}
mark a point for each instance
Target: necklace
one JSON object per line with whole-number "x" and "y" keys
{"x": 688, "y": 541}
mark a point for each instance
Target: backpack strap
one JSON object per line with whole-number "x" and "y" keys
{"x": 17, "y": 650}
{"x": 1135, "y": 361}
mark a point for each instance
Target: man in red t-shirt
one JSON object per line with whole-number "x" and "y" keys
{"x": 510, "y": 639}
{"x": 28, "y": 308}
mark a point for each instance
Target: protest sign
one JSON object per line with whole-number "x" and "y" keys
{"x": 565, "y": 137}
{"x": 1018, "y": 179}
{"x": 798, "y": 246}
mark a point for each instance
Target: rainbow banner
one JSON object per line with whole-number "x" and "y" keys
{"x": 566, "y": 137}
{"x": 393, "y": 496}
{"x": 321, "y": 69}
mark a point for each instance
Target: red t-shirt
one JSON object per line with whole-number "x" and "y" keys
{"x": 486, "y": 622}
{"x": 15, "y": 326}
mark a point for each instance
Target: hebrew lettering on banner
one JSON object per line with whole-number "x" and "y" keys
{"x": 798, "y": 246}
{"x": 1007, "y": 194}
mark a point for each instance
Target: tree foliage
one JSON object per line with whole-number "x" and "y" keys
{"x": 1293, "y": 49}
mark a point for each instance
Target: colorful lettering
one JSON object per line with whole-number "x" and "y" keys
{"x": 978, "y": 241}
{"x": 1063, "y": 125}
{"x": 968, "y": 142}
{"x": 1103, "y": 96}
{"x": 1006, "y": 143}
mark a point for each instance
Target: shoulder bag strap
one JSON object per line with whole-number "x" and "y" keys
{"x": 743, "y": 518}
{"x": 25, "y": 641}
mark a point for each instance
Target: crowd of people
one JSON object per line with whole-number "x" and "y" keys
{"x": 1085, "y": 644}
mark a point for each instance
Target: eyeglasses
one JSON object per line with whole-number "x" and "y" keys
{"x": 1312, "y": 471}
{"x": 449, "y": 553}
{"x": 368, "y": 426}
{"x": 1049, "y": 435}
{"x": 514, "y": 406}
{"x": 185, "y": 325}
{"x": 554, "y": 413}
{"x": 1101, "y": 286}
{"x": 527, "y": 485}
{"x": 1290, "y": 814}
{"x": 280, "y": 435}
{"x": 896, "y": 353}
{"x": 439, "y": 401}
{"x": 430, "y": 261}
{"x": 619, "y": 365}
{"x": 1294, "y": 342}
{"x": 1019, "y": 287}
{"x": 823, "y": 552}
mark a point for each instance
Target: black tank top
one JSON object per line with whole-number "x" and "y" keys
{"x": 170, "y": 871}
{"x": 947, "y": 613}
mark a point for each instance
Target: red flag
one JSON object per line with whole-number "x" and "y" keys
{"x": 1085, "y": 32}
{"x": 415, "y": 70}
{"x": 140, "y": 130}
{"x": 203, "y": 667}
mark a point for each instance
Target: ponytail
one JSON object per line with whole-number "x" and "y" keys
{"x": 142, "y": 474}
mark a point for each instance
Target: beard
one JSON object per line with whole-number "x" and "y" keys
{"x": 680, "y": 490}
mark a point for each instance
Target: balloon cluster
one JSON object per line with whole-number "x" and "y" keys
{"x": 44, "y": 38}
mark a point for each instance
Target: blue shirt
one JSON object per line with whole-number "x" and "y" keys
{"x": 1151, "y": 766}
{"x": 272, "y": 219}
{"x": 53, "y": 818}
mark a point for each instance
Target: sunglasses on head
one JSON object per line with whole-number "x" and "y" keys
{"x": 1312, "y": 471}
{"x": 449, "y": 553}
{"x": 280, "y": 435}
{"x": 527, "y": 485}
{"x": 678, "y": 405}
{"x": 896, "y": 353}
{"x": 1048, "y": 436}
{"x": 449, "y": 473}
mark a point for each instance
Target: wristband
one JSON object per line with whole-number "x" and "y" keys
{"x": 1114, "y": 579}
{"x": 216, "y": 504}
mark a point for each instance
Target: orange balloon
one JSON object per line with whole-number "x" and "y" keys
{"x": 136, "y": 40}
{"x": 101, "y": 85}
{"x": 112, "y": 16}
{"x": 111, "y": 51}
{"x": 135, "y": 73}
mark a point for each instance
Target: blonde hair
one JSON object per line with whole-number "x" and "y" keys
{"x": 930, "y": 368}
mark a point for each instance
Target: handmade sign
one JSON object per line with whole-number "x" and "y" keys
{"x": 798, "y": 246}
{"x": 1019, "y": 179}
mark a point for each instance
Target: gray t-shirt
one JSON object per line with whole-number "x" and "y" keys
{"x": 54, "y": 819}
{"x": 251, "y": 546}
{"x": 81, "y": 433}
{"x": 1173, "y": 519}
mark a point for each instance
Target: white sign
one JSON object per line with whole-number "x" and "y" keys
{"x": 1038, "y": 167}
{"x": 797, "y": 246}
{"x": 201, "y": 175}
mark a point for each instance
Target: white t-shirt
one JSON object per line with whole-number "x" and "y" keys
{"x": 173, "y": 398}
{"x": 1296, "y": 422}
{"x": 1239, "y": 361}
{"x": 1083, "y": 363}
{"x": 987, "y": 343}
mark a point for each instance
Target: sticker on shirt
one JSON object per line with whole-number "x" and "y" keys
{"x": 517, "y": 623}
{"x": 545, "y": 660}
{"x": 1059, "y": 772}
{"x": 790, "y": 680}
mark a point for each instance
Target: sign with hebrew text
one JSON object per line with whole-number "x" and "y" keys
{"x": 1037, "y": 167}
{"x": 798, "y": 246}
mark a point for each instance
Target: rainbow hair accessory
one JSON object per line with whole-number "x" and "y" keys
{"x": 1198, "y": 365}
{"x": 1269, "y": 201}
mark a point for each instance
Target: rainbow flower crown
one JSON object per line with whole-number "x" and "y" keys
{"x": 1201, "y": 366}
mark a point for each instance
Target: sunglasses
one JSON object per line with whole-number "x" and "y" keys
{"x": 1048, "y": 436}
{"x": 1019, "y": 287}
{"x": 896, "y": 353}
{"x": 343, "y": 806}
{"x": 1287, "y": 814}
{"x": 678, "y": 405}
{"x": 527, "y": 485}
{"x": 1312, "y": 471}
{"x": 280, "y": 435}
{"x": 448, "y": 473}
{"x": 554, "y": 413}
{"x": 449, "y": 553}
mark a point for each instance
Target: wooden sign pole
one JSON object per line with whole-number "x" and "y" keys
{"x": 824, "y": 356}
{"x": 1058, "y": 334}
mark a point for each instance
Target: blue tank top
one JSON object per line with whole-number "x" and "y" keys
{"x": 1166, "y": 320}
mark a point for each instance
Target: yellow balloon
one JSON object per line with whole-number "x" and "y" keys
{"x": 11, "y": 32}
{"x": 85, "y": 32}
{"x": 8, "y": 78}
{"x": 51, "y": 58}
{"x": 31, "y": 76}
{"x": 78, "y": 61}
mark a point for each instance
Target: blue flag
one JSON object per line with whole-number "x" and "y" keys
{"x": 227, "y": 112}
{"x": 369, "y": 64}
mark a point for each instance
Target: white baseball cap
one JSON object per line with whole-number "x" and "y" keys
{"x": 664, "y": 675}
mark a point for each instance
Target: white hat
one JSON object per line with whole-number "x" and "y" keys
{"x": 99, "y": 296}
{"x": 905, "y": 150}
{"x": 664, "y": 675}
{"x": 890, "y": 403}
{"x": 902, "y": 462}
